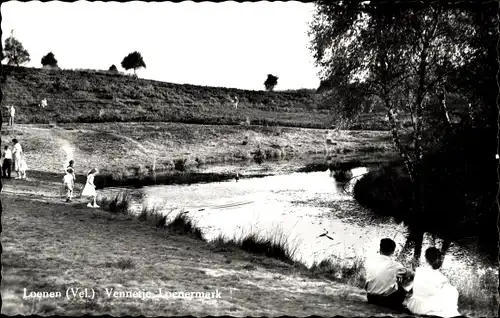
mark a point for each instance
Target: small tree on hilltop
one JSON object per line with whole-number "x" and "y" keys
{"x": 49, "y": 60}
{"x": 133, "y": 61}
{"x": 14, "y": 51}
{"x": 271, "y": 82}
{"x": 113, "y": 68}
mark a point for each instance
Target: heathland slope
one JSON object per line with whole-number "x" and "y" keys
{"x": 85, "y": 96}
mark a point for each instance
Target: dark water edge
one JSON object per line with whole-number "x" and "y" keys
{"x": 219, "y": 172}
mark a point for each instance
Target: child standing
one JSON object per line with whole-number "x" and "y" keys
{"x": 22, "y": 167}
{"x": 69, "y": 183}
{"x": 71, "y": 166}
{"x": 7, "y": 162}
{"x": 89, "y": 189}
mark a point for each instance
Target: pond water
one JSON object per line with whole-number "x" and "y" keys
{"x": 300, "y": 206}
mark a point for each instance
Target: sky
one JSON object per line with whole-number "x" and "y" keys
{"x": 225, "y": 44}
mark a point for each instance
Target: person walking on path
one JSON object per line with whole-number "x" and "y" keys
{"x": 17, "y": 153}
{"x": 89, "y": 189}
{"x": 12, "y": 114}
{"x": 7, "y": 162}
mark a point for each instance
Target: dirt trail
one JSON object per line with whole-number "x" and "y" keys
{"x": 52, "y": 246}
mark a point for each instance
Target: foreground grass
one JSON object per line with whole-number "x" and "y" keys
{"x": 478, "y": 294}
{"x": 91, "y": 248}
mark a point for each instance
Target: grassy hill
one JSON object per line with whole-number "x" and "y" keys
{"x": 91, "y": 96}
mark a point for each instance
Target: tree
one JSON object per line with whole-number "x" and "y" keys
{"x": 133, "y": 61}
{"x": 49, "y": 60}
{"x": 404, "y": 55}
{"x": 113, "y": 68}
{"x": 14, "y": 51}
{"x": 270, "y": 82}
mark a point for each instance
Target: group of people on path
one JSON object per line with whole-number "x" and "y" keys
{"x": 429, "y": 292}
{"x": 88, "y": 191}
{"x": 14, "y": 159}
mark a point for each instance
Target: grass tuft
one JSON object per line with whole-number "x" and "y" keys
{"x": 182, "y": 224}
{"x": 119, "y": 204}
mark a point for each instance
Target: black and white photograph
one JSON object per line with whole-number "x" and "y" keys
{"x": 271, "y": 158}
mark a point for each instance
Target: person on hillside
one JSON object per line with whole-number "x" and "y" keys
{"x": 12, "y": 112}
{"x": 69, "y": 183}
{"x": 7, "y": 162}
{"x": 17, "y": 154}
{"x": 433, "y": 295}
{"x": 89, "y": 189}
{"x": 22, "y": 167}
{"x": 382, "y": 275}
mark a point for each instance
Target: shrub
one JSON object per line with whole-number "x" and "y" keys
{"x": 49, "y": 60}
{"x": 270, "y": 82}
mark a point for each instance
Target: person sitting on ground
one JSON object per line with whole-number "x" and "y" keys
{"x": 382, "y": 274}
{"x": 89, "y": 189}
{"x": 68, "y": 182}
{"x": 7, "y": 162}
{"x": 433, "y": 295}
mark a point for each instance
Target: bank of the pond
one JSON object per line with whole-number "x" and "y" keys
{"x": 129, "y": 150}
{"x": 91, "y": 248}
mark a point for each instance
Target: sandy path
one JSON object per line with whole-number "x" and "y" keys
{"x": 49, "y": 246}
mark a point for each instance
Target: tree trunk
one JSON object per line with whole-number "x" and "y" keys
{"x": 444, "y": 109}
{"x": 397, "y": 141}
{"x": 445, "y": 246}
{"x": 471, "y": 114}
{"x": 1, "y": 122}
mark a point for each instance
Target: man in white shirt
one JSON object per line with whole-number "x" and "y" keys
{"x": 12, "y": 114}
{"x": 382, "y": 274}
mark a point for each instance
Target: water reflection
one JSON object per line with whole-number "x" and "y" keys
{"x": 301, "y": 206}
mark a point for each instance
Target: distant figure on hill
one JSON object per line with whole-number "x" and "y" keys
{"x": 235, "y": 102}
{"x": 433, "y": 295}
{"x": 69, "y": 184}
{"x": 89, "y": 189}
{"x": 7, "y": 162}
{"x": 17, "y": 154}
{"x": 12, "y": 115}
{"x": 382, "y": 274}
{"x": 43, "y": 103}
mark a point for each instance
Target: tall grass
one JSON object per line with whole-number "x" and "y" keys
{"x": 277, "y": 245}
{"x": 118, "y": 204}
{"x": 153, "y": 215}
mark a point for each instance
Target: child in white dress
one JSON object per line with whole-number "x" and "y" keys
{"x": 89, "y": 189}
{"x": 22, "y": 167}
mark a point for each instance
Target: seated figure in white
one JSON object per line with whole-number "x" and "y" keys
{"x": 433, "y": 295}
